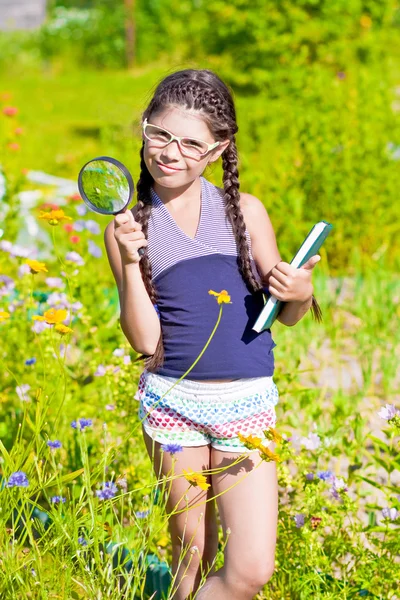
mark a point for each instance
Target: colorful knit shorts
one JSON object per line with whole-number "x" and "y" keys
{"x": 197, "y": 413}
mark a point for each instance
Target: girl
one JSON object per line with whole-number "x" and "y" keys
{"x": 199, "y": 237}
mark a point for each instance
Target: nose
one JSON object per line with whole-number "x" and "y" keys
{"x": 172, "y": 150}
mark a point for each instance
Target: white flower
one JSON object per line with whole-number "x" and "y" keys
{"x": 388, "y": 412}
{"x": 312, "y": 441}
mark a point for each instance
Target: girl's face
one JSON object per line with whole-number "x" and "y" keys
{"x": 183, "y": 169}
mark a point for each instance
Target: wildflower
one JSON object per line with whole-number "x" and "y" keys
{"x": 299, "y": 520}
{"x": 94, "y": 249}
{"x": 390, "y": 513}
{"x": 338, "y": 485}
{"x": 122, "y": 483}
{"x": 18, "y": 131}
{"x": 4, "y": 316}
{"x": 311, "y": 442}
{"x": 21, "y": 389}
{"x": 222, "y": 297}
{"x": 196, "y": 479}
{"x": 30, "y": 361}
{"x": 52, "y": 316}
{"x": 108, "y": 491}
{"x": 54, "y": 217}
{"x": 36, "y": 266}
{"x": 17, "y": 479}
{"x": 38, "y": 327}
{"x": 267, "y": 455}
{"x": 74, "y": 198}
{"x": 81, "y": 209}
{"x": 63, "y": 329}
{"x": 75, "y": 258}
{"x": 23, "y": 270}
{"x": 74, "y": 239}
{"x": 310, "y": 476}
{"x": 118, "y": 352}
{"x": 325, "y": 475}
{"x": 365, "y": 21}
{"x": 172, "y": 448}
{"x": 272, "y": 434}
{"x": 82, "y": 541}
{"x": 110, "y": 406}
{"x": 315, "y": 521}
{"x": 250, "y": 441}
{"x": 57, "y": 499}
{"x": 126, "y": 359}
{"x": 14, "y": 146}
{"x": 100, "y": 371}
{"x": 141, "y": 514}
{"x": 388, "y": 412}
{"x": 68, "y": 227}
{"x": 79, "y": 225}
{"x": 92, "y": 226}
{"x": 10, "y": 111}
{"x": 81, "y": 423}
{"x": 54, "y": 445}
{"x": 55, "y": 282}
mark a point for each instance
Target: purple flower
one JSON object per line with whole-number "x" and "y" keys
{"x": 55, "y": 282}
{"x": 92, "y": 226}
{"x": 23, "y": 270}
{"x": 310, "y": 476}
{"x": 79, "y": 225}
{"x": 58, "y": 299}
{"x": 21, "y": 390}
{"x": 57, "y": 499}
{"x": 18, "y": 479}
{"x": 8, "y": 286}
{"x": 325, "y": 475}
{"x": 75, "y": 258}
{"x": 110, "y": 407}
{"x": 81, "y": 209}
{"x": 81, "y": 423}
{"x": 338, "y": 485}
{"x": 54, "y": 445}
{"x": 141, "y": 514}
{"x": 108, "y": 491}
{"x": 311, "y": 442}
{"x": 388, "y": 412}
{"x": 40, "y": 326}
{"x": 390, "y": 513}
{"x": 82, "y": 541}
{"x": 299, "y": 520}
{"x": 94, "y": 249}
{"x": 100, "y": 371}
{"x": 127, "y": 359}
{"x": 172, "y": 448}
{"x": 30, "y": 361}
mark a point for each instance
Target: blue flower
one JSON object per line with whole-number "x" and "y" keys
{"x": 57, "y": 499}
{"x": 30, "y": 361}
{"x": 18, "y": 479}
{"x": 310, "y": 476}
{"x": 141, "y": 514}
{"x": 56, "y": 444}
{"x": 109, "y": 490}
{"x": 81, "y": 423}
{"x": 325, "y": 475}
{"x": 82, "y": 541}
{"x": 172, "y": 448}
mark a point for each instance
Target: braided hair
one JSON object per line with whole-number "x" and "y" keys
{"x": 204, "y": 91}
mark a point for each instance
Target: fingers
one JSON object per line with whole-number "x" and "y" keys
{"x": 125, "y": 222}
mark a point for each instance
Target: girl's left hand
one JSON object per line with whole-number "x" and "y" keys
{"x": 289, "y": 284}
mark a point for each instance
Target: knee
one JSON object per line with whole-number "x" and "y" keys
{"x": 251, "y": 577}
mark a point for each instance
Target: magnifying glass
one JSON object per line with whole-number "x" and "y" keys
{"x": 106, "y": 186}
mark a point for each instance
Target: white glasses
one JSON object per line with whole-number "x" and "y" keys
{"x": 160, "y": 138}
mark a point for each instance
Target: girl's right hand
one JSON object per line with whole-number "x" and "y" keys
{"x": 129, "y": 236}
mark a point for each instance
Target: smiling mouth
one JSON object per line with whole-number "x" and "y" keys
{"x": 167, "y": 167}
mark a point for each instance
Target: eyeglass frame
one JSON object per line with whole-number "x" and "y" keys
{"x": 178, "y": 139}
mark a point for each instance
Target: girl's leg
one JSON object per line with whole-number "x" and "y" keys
{"x": 188, "y": 528}
{"x": 250, "y": 510}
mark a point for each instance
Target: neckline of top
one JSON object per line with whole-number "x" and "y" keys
{"x": 160, "y": 203}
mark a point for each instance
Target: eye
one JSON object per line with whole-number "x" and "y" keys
{"x": 193, "y": 143}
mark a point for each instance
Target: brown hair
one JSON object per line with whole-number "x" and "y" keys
{"x": 204, "y": 91}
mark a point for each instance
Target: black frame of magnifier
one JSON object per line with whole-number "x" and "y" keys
{"x": 122, "y": 168}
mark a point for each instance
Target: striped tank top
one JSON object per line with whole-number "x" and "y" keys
{"x": 183, "y": 271}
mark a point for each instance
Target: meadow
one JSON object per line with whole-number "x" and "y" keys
{"x": 81, "y": 513}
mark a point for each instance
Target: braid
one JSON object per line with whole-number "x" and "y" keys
{"x": 142, "y": 216}
{"x": 235, "y": 215}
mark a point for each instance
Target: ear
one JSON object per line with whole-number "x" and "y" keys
{"x": 215, "y": 154}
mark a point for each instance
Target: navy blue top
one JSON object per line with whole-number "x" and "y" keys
{"x": 183, "y": 271}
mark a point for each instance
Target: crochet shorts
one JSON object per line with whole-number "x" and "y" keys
{"x": 197, "y": 413}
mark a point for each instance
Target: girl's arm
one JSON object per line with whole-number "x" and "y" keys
{"x": 139, "y": 320}
{"x": 266, "y": 254}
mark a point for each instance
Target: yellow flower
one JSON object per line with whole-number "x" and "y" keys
{"x": 63, "y": 329}
{"x": 52, "y": 316}
{"x": 163, "y": 541}
{"x": 36, "y": 266}
{"x": 54, "y": 217}
{"x": 267, "y": 455}
{"x": 273, "y": 435}
{"x": 250, "y": 441}
{"x": 4, "y": 315}
{"x": 222, "y": 297}
{"x": 365, "y": 21}
{"x": 196, "y": 479}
